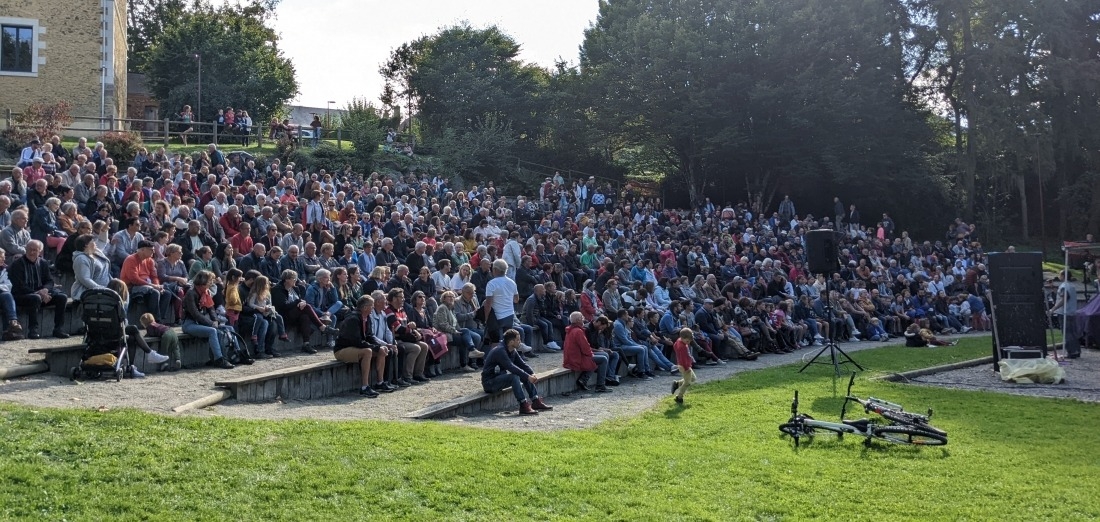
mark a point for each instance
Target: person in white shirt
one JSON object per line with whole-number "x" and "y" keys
{"x": 442, "y": 277}
{"x": 501, "y": 296}
{"x": 513, "y": 254}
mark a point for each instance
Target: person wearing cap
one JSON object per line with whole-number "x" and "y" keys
{"x": 139, "y": 272}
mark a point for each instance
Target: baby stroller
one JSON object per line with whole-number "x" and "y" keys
{"x": 105, "y": 338}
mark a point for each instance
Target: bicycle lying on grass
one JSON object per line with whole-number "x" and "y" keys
{"x": 903, "y": 427}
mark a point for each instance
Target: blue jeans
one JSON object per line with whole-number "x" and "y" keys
{"x": 640, "y": 352}
{"x": 259, "y": 331}
{"x": 507, "y": 323}
{"x": 659, "y": 359}
{"x": 519, "y": 386}
{"x": 608, "y": 364}
{"x": 207, "y": 332}
{"x": 471, "y": 340}
{"x": 7, "y": 304}
{"x": 544, "y": 326}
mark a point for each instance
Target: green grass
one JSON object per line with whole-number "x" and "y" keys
{"x": 720, "y": 457}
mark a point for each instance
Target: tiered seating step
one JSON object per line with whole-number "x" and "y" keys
{"x": 552, "y": 382}
{"x": 308, "y": 381}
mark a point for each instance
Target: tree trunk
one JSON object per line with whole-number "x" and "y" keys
{"x": 971, "y": 100}
{"x": 1021, "y": 185}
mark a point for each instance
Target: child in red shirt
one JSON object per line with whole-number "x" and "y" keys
{"x": 682, "y": 347}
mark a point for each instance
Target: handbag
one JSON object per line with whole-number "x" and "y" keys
{"x": 436, "y": 340}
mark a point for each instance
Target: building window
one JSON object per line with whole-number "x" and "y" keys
{"x": 17, "y": 48}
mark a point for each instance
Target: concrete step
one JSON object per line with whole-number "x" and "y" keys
{"x": 552, "y": 382}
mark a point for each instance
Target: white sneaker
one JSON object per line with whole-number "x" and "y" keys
{"x": 855, "y": 333}
{"x": 155, "y": 357}
{"x": 135, "y": 374}
{"x": 817, "y": 342}
{"x": 523, "y": 348}
{"x": 966, "y": 329}
{"x": 853, "y": 340}
{"x": 476, "y": 354}
{"x": 818, "y": 337}
{"x": 553, "y": 345}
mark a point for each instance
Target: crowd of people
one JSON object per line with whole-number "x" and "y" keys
{"x": 386, "y": 271}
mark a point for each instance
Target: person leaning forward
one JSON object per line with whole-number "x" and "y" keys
{"x": 505, "y": 367}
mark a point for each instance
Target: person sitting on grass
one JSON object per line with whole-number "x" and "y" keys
{"x": 505, "y": 367}
{"x": 682, "y": 348}
{"x": 578, "y": 355}
{"x": 356, "y": 344}
{"x": 917, "y": 336}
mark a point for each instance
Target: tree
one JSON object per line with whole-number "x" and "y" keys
{"x": 146, "y": 20}
{"x": 242, "y": 66}
{"x": 760, "y": 95}
{"x": 460, "y": 76}
{"x": 365, "y": 130}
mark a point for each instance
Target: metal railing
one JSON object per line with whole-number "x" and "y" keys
{"x": 166, "y": 129}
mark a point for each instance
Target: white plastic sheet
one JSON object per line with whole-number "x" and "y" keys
{"x": 1032, "y": 371}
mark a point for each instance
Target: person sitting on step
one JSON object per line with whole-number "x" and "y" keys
{"x": 33, "y": 288}
{"x": 356, "y": 344}
{"x": 505, "y": 367}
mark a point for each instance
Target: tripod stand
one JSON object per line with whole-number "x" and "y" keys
{"x": 831, "y": 346}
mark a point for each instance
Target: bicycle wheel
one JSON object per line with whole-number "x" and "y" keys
{"x": 907, "y": 435}
{"x": 912, "y": 421}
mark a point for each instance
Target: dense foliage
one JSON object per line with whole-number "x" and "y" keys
{"x": 921, "y": 108}
{"x": 242, "y": 65}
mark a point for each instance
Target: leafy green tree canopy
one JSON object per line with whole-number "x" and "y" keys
{"x": 242, "y": 66}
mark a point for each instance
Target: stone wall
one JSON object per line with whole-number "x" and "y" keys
{"x": 69, "y": 50}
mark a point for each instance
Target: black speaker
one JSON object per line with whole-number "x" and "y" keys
{"x": 821, "y": 251}
{"x": 1016, "y": 286}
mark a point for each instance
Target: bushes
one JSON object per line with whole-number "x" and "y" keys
{"x": 120, "y": 145}
{"x": 325, "y": 156}
{"x": 38, "y": 120}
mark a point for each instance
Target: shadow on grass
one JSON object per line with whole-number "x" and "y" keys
{"x": 674, "y": 410}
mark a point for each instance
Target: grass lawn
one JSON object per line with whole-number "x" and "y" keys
{"x": 718, "y": 458}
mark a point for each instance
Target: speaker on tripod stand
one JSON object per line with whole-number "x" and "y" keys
{"x": 822, "y": 257}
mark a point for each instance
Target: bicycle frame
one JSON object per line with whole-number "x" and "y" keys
{"x": 903, "y": 428}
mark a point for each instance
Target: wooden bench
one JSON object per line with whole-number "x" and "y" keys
{"x": 308, "y": 381}
{"x": 552, "y": 382}
{"x": 194, "y": 352}
{"x": 71, "y": 324}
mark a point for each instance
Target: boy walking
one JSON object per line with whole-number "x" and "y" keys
{"x": 682, "y": 347}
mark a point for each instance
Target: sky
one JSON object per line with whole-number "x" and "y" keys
{"x": 337, "y": 46}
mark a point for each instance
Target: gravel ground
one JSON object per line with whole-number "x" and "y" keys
{"x": 160, "y": 393}
{"x": 1082, "y": 380}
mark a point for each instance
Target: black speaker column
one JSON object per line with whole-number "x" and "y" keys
{"x": 821, "y": 251}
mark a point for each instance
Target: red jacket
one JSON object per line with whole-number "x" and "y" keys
{"x": 577, "y": 353}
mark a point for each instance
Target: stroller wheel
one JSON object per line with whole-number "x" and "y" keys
{"x": 118, "y": 375}
{"x": 74, "y": 373}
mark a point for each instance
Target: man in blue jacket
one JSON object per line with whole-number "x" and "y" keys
{"x": 505, "y": 367}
